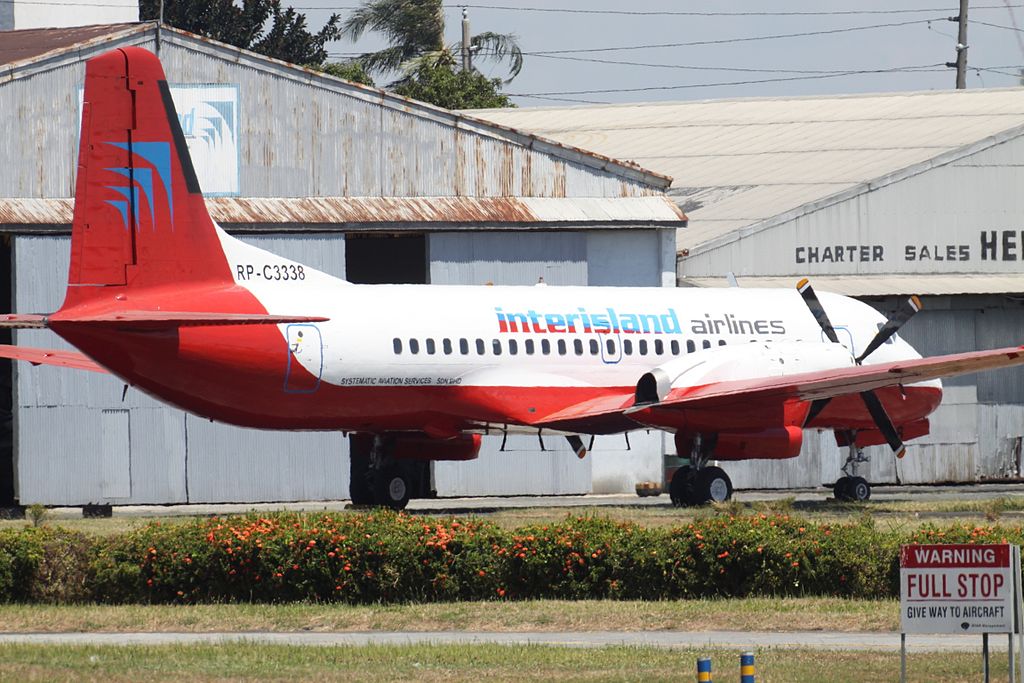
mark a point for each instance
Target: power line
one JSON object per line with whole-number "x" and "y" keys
{"x": 991, "y": 25}
{"x": 678, "y": 13}
{"x": 686, "y": 86}
{"x": 688, "y": 67}
{"x": 723, "y": 41}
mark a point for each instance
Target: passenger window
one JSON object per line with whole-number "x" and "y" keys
{"x": 595, "y": 348}
{"x": 529, "y": 347}
{"x": 610, "y": 345}
{"x": 513, "y": 347}
{"x": 659, "y": 347}
{"x": 431, "y": 348}
{"x": 721, "y": 342}
{"x": 690, "y": 346}
{"x": 446, "y": 344}
{"x": 561, "y": 347}
{"x": 545, "y": 347}
{"x": 706, "y": 344}
{"x": 577, "y": 345}
{"x": 414, "y": 346}
{"x": 398, "y": 345}
{"x": 480, "y": 347}
{"x": 674, "y": 346}
{"x": 627, "y": 347}
{"x": 496, "y": 345}
{"x": 642, "y": 344}
{"x": 464, "y": 347}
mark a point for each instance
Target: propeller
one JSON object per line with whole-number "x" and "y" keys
{"x": 905, "y": 312}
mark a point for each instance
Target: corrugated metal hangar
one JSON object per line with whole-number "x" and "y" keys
{"x": 873, "y": 196}
{"x": 351, "y": 180}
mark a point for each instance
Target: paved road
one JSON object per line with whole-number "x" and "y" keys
{"x": 479, "y": 505}
{"x": 886, "y": 642}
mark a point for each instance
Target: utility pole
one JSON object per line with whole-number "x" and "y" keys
{"x": 961, "y": 47}
{"x": 467, "y": 53}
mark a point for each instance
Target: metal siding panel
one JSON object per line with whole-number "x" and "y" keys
{"x": 323, "y": 251}
{"x": 623, "y": 259}
{"x": 115, "y": 454}
{"x": 158, "y": 456}
{"x": 40, "y": 138}
{"x": 618, "y": 466}
{"x": 996, "y": 328}
{"x": 54, "y": 469}
{"x": 522, "y": 469}
{"x": 508, "y": 258}
{"x": 232, "y": 464}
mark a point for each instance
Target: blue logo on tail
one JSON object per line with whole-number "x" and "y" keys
{"x": 157, "y": 154}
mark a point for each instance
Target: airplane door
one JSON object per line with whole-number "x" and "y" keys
{"x": 611, "y": 348}
{"x": 305, "y": 359}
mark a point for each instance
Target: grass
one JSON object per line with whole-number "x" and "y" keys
{"x": 786, "y": 614}
{"x": 462, "y": 663}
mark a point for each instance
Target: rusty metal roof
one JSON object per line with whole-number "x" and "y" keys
{"x": 393, "y": 212}
{"x": 28, "y": 44}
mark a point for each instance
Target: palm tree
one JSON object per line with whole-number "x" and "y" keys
{"x": 415, "y": 33}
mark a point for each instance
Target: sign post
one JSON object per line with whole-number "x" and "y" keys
{"x": 962, "y": 588}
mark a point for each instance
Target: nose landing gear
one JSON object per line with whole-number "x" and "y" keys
{"x": 852, "y": 488}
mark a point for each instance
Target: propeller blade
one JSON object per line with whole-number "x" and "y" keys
{"x": 884, "y": 424}
{"x": 811, "y": 299}
{"x": 817, "y": 406}
{"x": 904, "y": 313}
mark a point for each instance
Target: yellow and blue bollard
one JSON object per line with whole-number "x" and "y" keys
{"x": 747, "y": 667}
{"x": 704, "y": 670}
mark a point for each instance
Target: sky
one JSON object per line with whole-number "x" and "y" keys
{"x": 744, "y": 48}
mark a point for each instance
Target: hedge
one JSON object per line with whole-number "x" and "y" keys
{"x": 388, "y": 557}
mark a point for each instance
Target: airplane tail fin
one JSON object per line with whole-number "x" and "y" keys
{"x": 140, "y": 219}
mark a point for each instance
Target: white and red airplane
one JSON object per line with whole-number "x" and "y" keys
{"x": 161, "y": 297}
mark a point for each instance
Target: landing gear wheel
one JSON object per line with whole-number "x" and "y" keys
{"x": 859, "y": 489}
{"x": 359, "y": 488}
{"x": 712, "y": 486}
{"x": 391, "y": 488}
{"x": 841, "y": 489}
{"x": 680, "y": 488}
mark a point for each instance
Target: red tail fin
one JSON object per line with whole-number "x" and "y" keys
{"x": 139, "y": 217}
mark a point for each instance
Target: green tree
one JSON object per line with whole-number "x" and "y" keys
{"x": 350, "y": 71}
{"x": 441, "y": 85}
{"x": 414, "y": 30}
{"x": 262, "y": 26}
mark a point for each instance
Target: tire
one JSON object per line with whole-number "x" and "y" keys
{"x": 392, "y": 488}
{"x": 841, "y": 490}
{"x": 679, "y": 489}
{"x": 859, "y": 489}
{"x": 713, "y": 486}
{"x": 359, "y": 487}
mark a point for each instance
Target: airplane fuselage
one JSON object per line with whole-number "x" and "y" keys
{"x": 446, "y": 359}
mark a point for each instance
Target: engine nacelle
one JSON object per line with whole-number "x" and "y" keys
{"x": 417, "y": 447}
{"x": 775, "y": 443}
{"x": 739, "y": 362}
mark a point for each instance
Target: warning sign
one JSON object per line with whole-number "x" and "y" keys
{"x": 957, "y": 589}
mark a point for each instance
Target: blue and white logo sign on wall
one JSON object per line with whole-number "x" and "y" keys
{"x": 209, "y": 118}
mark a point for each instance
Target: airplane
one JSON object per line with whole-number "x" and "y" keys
{"x": 164, "y": 299}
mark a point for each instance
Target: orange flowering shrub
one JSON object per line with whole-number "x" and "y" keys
{"x": 394, "y": 557}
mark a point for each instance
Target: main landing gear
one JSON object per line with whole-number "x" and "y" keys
{"x": 377, "y": 478}
{"x": 697, "y": 483}
{"x": 850, "y": 487}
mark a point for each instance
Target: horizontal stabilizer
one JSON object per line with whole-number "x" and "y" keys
{"x": 22, "y": 321}
{"x": 168, "y": 319}
{"x": 64, "y": 359}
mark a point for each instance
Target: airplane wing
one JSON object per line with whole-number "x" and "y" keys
{"x": 65, "y": 359}
{"x": 808, "y": 386}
